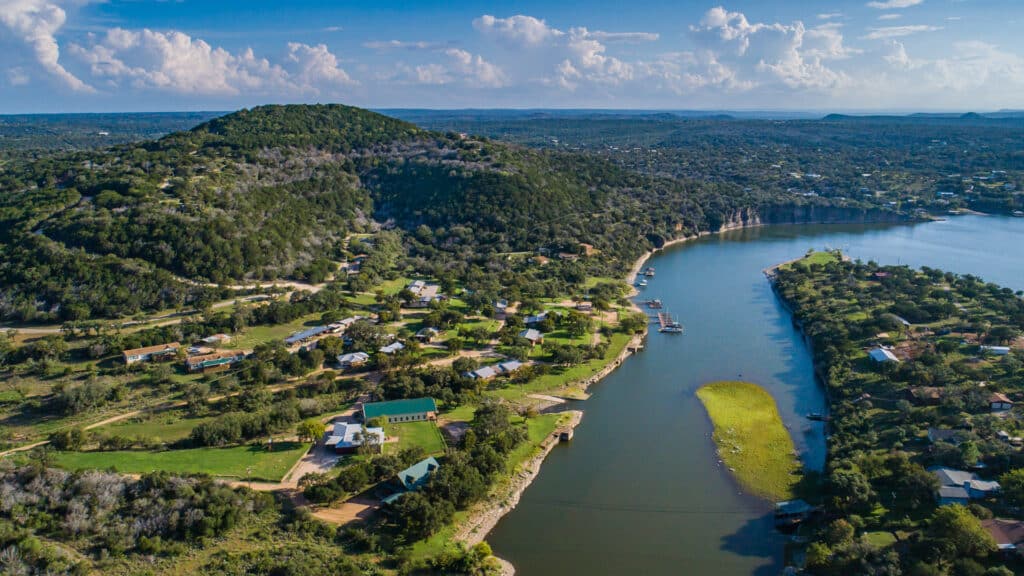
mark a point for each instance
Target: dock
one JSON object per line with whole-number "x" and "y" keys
{"x": 668, "y": 324}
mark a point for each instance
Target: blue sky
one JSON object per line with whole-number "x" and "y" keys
{"x": 139, "y": 55}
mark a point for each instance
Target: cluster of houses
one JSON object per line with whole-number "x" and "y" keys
{"x": 423, "y": 294}
{"x": 493, "y": 371}
{"x": 200, "y": 357}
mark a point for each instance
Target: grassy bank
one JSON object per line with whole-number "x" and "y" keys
{"x": 242, "y": 462}
{"x": 751, "y": 439}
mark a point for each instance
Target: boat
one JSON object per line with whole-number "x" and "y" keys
{"x": 673, "y": 328}
{"x": 818, "y": 417}
{"x": 654, "y": 304}
{"x": 649, "y": 272}
{"x": 641, "y": 282}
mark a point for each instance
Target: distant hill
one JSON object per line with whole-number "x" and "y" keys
{"x": 85, "y": 131}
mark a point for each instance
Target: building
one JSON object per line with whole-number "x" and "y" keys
{"x": 500, "y": 307}
{"x": 584, "y": 306}
{"x": 533, "y": 335}
{"x": 415, "y": 476}
{"x": 423, "y": 294}
{"x": 151, "y": 353}
{"x": 352, "y": 360}
{"x": 483, "y": 373}
{"x": 392, "y": 348}
{"x": 346, "y": 437}
{"x": 306, "y": 335}
{"x": 536, "y": 319}
{"x": 943, "y": 435}
{"x": 409, "y": 410}
{"x": 882, "y": 355}
{"x": 999, "y": 402}
{"x": 509, "y": 366}
{"x": 996, "y": 350}
{"x": 792, "y": 512}
{"x": 1008, "y": 534}
{"x": 960, "y": 486}
{"x": 427, "y": 334}
{"x": 215, "y": 361}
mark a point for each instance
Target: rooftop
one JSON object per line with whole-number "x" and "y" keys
{"x": 416, "y": 475}
{"x": 396, "y": 407}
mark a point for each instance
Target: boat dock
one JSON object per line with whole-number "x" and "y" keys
{"x": 668, "y": 324}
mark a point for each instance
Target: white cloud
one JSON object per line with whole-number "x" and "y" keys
{"x": 384, "y": 45}
{"x": 830, "y": 15}
{"x": 176, "y": 62}
{"x": 898, "y": 31}
{"x": 894, "y": 4}
{"x": 518, "y": 29}
{"x": 476, "y": 70}
{"x": 890, "y": 16}
{"x": 35, "y": 23}
{"x": 333, "y": 29}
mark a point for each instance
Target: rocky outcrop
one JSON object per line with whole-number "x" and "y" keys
{"x": 819, "y": 214}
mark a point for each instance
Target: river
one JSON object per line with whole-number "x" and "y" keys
{"x": 640, "y": 490}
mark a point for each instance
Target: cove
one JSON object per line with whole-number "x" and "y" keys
{"x": 639, "y": 490}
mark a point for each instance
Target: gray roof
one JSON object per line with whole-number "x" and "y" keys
{"x": 951, "y": 476}
{"x": 392, "y": 348}
{"x": 531, "y": 334}
{"x": 510, "y": 366}
{"x": 883, "y": 355}
{"x": 353, "y": 357}
{"x": 484, "y": 372}
{"x": 954, "y": 492}
{"x": 300, "y": 336}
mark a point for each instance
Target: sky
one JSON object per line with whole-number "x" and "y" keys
{"x": 841, "y": 55}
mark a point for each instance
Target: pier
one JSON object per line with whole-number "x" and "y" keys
{"x": 668, "y": 324}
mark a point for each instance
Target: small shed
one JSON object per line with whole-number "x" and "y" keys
{"x": 999, "y": 402}
{"x": 882, "y": 355}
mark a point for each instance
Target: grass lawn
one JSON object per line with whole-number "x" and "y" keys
{"x": 254, "y": 335}
{"x": 537, "y": 428}
{"x": 880, "y": 539}
{"x": 169, "y": 426}
{"x": 751, "y": 438}
{"x": 462, "y": 413}
{"x": 819, "y": 257}
{"x": 423, "y": 434}
{"x": 227, "y": 462}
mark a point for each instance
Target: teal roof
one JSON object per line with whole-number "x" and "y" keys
{"x": 416, "y": 475}
{"x": 398, "y": 407}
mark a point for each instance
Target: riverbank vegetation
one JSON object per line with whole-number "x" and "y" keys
{"x": 751, "y": 439}
{"x": 923, "y": 368}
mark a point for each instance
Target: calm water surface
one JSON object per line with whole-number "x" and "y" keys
{"x": 640, "y": 490}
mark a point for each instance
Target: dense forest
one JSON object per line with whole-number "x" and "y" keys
{"x": 274, "y": 192}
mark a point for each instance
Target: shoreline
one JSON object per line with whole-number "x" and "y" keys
{"x": 481, "y": 521}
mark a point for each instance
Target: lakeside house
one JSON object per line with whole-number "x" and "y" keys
{"x": 488, "y": 372}
{"x": 412, "y": 478}
{"x": 352, "y": 360}
{"x": 999, "y": 402}
{"x": 882, "y": 355}
{"x": 408, "y": 410}
{"x": 792, "y": 512}
{"x": 392, "y": 348}
{"x": 347, "y": 437}
{"x": 960, "y": 486}
{"x": 151, "y": 353}
{"x": 533, "y": 336}
{"x": 215, "y": 361}
{"x": 1008, "y": 534}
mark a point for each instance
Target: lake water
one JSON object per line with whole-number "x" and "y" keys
{"x": 640, "y": 490}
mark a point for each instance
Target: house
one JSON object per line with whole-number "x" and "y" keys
{"x": 996, "y": 350}
{"x": 347, "y": 437}
{"x": 1008, "y": 534}
{"x": 427, "y": 334}
{"x": 483, "y": 373}
{"x": 392, "y": 348}
{"x": 415, "y": 476}
{"x": 792, "y": 512}
{"x": 215, "y": 361}
{"x": 352, "y": 360}
{"x": 943, "y": 435}
{"x": 882, "y": 355}
{"x": 534, "y": 336}
{"x": 509, "y": 366}
{"x": 158, "y": 352}
{"x": 536, "y": 319}
{"x": 424, "y": 294}
{"x": 926, "y": 395}
{"x": 306, "y": 335}
{"x": 408, "y": 410}
{"x": 960, "y": 486}
{"x": 999, "y": 402}
{"x": 584, "y": 306}
{"x": 500, "y": 307}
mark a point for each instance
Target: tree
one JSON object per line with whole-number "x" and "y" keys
{"x": 71, "y": 439}
{"x": 311, "y": 430}
{"x": 964, "y": 534}
{"x": 1012, "y": 484}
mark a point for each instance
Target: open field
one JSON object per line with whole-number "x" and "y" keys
{"x": 751, "y": 439}
{"x": 226, "y": 462}
{"x": 423, "y": 434}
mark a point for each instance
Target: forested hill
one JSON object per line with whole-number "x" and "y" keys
{"x": 273, "y": 192}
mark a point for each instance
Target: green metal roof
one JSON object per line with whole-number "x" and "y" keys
{"x": 398, "y": 407}
{"x": 416, "y": 475}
